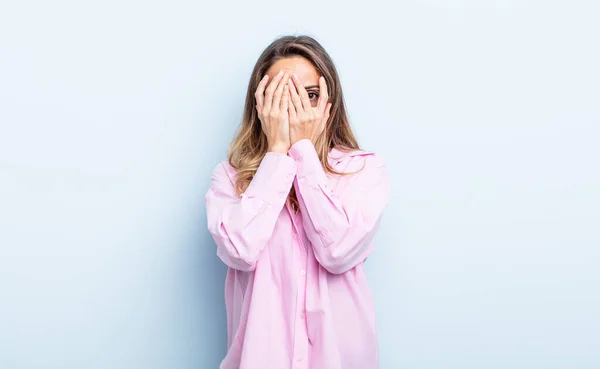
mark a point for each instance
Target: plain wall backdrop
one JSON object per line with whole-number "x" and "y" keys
{"x": 114, "y": 113}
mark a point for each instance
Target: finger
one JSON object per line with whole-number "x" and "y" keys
{"x": 323, "y": 95}
{"x": 295, "y": 97}
{"x": 303, "y": 94}
{"x": 260, "y": 92}
{"x": 323, "y": 124}
{"x": 270, "y": 89}
{"x": 279, "y": 90}
{"x": 327, "y": 112}
{"x": 291, "y": 108}
{"x": 285, "y": 99}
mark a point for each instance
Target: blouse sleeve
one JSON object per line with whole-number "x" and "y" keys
{"x": 242, "y": 225}
{"x": 340, "y": 227}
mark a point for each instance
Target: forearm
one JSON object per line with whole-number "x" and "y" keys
{"x": 340, "y": 227}
{"x": 242, "y": 226}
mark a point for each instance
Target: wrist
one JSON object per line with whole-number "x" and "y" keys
{"x": 298, "y": 140}
{"x": 281, "y": 149}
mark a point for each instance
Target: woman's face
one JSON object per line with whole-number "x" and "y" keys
{"x": 306, "y": 72}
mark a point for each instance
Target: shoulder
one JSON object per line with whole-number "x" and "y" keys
{"x": 223, "y": 171}
{"x": 353, "y": 159}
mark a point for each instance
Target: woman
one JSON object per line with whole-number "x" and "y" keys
{"x": 293, "y": 213}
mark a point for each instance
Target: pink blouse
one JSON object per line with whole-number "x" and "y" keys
{"x": 295, "y": 292}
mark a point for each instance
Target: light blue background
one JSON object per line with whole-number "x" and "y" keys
{"x": 113, "y": 114}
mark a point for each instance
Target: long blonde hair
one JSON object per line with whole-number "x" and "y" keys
{"x": 249, "y": 145}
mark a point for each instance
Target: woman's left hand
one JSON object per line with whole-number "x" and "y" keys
{"x": 306, "y": 121}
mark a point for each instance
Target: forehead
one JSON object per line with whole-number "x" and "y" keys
{"x": 299, "y": 65}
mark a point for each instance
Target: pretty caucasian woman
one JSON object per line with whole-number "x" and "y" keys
{"x": 293, "y": 212}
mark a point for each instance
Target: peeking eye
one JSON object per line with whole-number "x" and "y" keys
{"x": 316, "y": 95}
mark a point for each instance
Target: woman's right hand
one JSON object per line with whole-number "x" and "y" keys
{"x": 272, "y": 107}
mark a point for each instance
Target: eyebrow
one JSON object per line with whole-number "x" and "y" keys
{"x": 311, "y": 86}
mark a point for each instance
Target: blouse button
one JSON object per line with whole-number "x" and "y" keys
{"x": 303, "y": 272}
